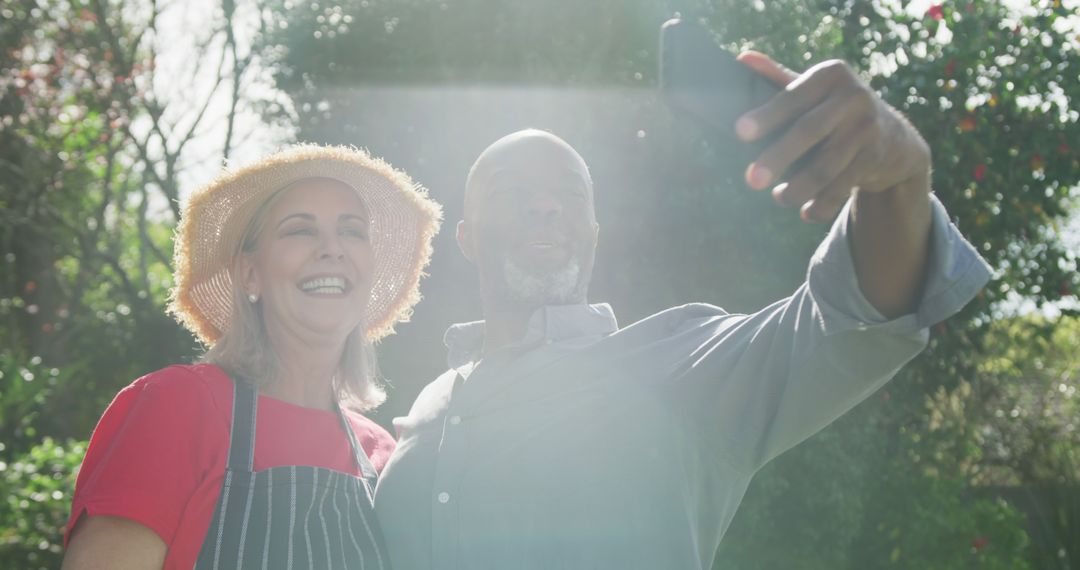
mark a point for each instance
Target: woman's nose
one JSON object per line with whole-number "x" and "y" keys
{"x": 330, "y": 246}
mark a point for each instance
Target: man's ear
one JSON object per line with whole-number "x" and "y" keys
{"x": 464, "y": 241}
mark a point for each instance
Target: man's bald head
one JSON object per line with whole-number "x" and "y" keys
{"x": 523, "y": 150}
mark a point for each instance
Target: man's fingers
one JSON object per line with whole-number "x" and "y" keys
{"x": 809, "y": 130}
{"x": 832, "y": 134}
{"x": 800, "y": 94}
{"x": 765, "y": 65}
{"x": 825, "y": 165}
{"x": 827, "y": 203}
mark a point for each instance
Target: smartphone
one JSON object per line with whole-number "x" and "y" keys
{"x": 702, "y": 80}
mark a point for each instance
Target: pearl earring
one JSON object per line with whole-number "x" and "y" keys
{"x": 253, "y": 297}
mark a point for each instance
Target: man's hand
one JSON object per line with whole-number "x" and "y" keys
{"x": 842, "y": 137}
{"x": 839, "y": 132}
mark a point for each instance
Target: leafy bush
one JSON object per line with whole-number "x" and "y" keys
{"x": 932, "y": 523}
{"x": 25, "y": 386}
{"x": 36, "y": 488}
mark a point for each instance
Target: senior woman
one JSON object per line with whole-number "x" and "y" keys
{"x": 258, "y": 457}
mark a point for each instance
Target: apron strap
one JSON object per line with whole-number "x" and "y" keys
{"x": 367, "y": 470}
{"x": 242, "y": 433}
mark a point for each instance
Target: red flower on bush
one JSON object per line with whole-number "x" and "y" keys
{"x": 980, "y": 172}
{"x": 979, "y": 542}
{"x": 935, "y": 12}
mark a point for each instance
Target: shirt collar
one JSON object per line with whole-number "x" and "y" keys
{"x": 550, "y": 323}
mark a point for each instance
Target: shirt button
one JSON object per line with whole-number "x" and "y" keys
{"x": 444, "y": 497}
{"x": 455, "y": 420}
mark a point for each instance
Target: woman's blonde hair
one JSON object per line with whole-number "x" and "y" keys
{"x": 245, "y": 352}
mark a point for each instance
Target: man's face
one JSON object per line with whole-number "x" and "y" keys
{"x": 530, "y": 227}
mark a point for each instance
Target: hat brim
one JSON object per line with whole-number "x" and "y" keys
{"x": 403, "y": 222}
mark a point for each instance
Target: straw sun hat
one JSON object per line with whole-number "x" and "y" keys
{"x": 403, "y": 222}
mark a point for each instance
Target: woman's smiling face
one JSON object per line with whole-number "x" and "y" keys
{"x": 313, "y": 263}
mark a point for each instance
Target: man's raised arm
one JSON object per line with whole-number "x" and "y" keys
{"x": 891, "y": 267}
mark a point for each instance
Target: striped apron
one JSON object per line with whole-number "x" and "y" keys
{"x": 297, "y": 517}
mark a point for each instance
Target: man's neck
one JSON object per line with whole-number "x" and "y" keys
{"x": 505, "y": 323}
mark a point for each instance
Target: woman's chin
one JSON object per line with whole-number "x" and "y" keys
{"x": 331, "y": 327}
{"x": 331, "y": 322}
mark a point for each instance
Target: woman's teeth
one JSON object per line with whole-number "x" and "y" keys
{"x": 324, "y": 286}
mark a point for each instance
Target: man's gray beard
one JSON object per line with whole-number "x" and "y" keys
{"x": 558, "y": 287}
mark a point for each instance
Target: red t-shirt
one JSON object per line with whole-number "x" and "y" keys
{"x": 158, "y": 455}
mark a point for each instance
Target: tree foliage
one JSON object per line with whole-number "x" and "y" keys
{"x": 90, "y": 162}
{"x": 86, "y": 267}
{"x": 1013, "y": 429}
{"x": 36, "y": 487}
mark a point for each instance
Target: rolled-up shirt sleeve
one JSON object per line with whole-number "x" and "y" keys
{"x": 759, "y": 384}
{"x": 955, "y": 273}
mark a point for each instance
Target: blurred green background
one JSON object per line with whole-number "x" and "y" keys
{"x": 111, "y": 111}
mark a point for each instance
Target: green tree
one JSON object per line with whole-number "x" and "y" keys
{"x": 1012, "y": 430}
{"x": 92, "y": 155}
{"x": 90, "y": 160}
{"x": 37, "y": 486}
{"x": 85, "y": 267}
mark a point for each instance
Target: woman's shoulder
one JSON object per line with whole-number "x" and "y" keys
{"x": 154, "y": 446}
{"x": 179, "y": 387}
{"x": 195, "y": 378}
{"x": 376, "y": 441}
{"x": 170, "y": 415}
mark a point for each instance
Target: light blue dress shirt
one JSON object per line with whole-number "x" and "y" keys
{"x": 586, "y": 445}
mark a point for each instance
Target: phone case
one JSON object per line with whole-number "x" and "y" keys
{"x": 705, "y": 81}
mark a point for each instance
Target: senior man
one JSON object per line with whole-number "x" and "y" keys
{"x": 558, "y": 439}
